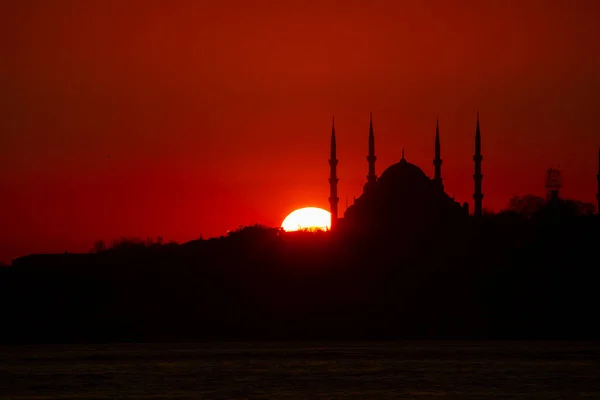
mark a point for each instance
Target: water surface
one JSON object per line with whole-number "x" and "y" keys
{"x": 302, "y": 371}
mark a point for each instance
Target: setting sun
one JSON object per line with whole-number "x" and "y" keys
{"x": 307, "y": 218}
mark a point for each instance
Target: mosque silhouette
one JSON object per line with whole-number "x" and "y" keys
{"x": 403, "y": 195}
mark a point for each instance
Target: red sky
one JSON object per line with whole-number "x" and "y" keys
{"x": 217, "y": 114}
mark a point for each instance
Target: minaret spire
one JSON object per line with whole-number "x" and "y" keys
{"x": 437, "y": 161}
{"x": 598, "y": 178}
{"x": 478, "y": 177}
{"x": 371, "y": 177}
{"x": 333, "y": 180}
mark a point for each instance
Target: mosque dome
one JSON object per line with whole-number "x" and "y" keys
{"x": 403, "y": 176}
{"x": 403, "y": 196}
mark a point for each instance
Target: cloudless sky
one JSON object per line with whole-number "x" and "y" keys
{"x": 189, "y": 118}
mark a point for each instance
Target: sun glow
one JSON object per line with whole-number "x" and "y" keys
{"x": 307, "y": 218}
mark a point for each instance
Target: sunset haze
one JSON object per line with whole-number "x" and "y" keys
{"x": 188, "y": 118}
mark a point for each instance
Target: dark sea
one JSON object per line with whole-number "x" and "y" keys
{"x": 406, "y": 370}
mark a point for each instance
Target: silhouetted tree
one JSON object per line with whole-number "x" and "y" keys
{"x": 255, "y": 232}
{"x": 99, "y": 246}
{"x": 583, "y": 208}
{"x": 526, "y": 205}
{"x": 128, "y": 243}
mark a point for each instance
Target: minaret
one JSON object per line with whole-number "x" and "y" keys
{"x": 333, "y": 180}
{"x": 598, "y": 178}
{"x": 371, "y": 178}
{"x": 478, "y": 177}
{"x": 437, "y": 162}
